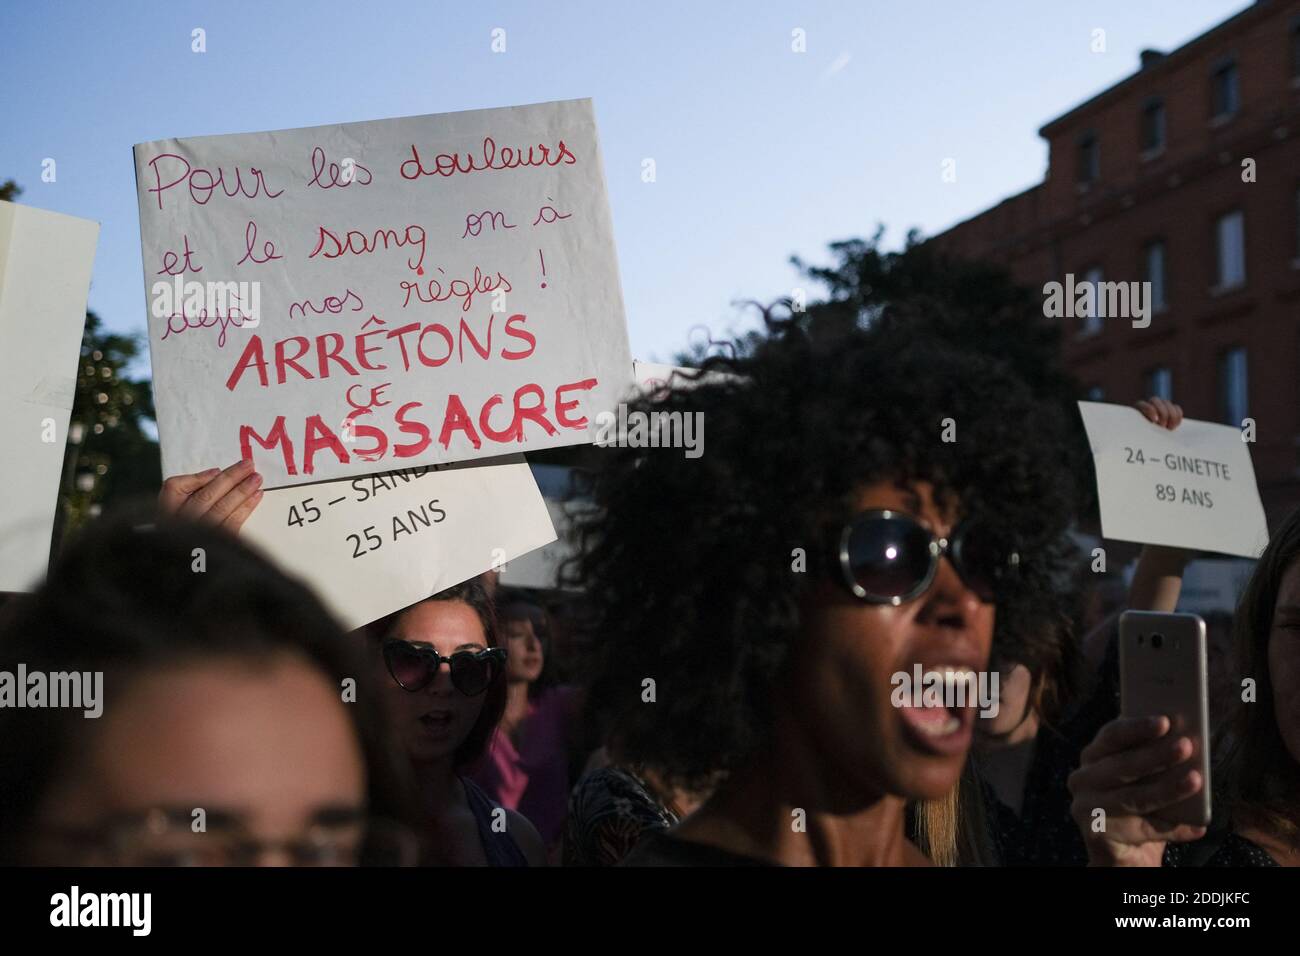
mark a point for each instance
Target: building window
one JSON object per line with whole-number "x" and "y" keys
{"x": 1090, "y": 318}
{"x": 1089, "y": 170}
{"x": 1230, "y": 250}
{"x": 1153, "y": 270}
{"x": 1232, "y": 386}
{"x": 1160, "y": 383}
{"x": 1153, "y": 127}
{"x": 1224, "y": 97}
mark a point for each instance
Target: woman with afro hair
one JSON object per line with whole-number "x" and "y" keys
{"x": 866, "y": 502}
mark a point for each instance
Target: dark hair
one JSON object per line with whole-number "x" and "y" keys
{"x": 518, "y": 610}
{"x": 124, "y": 598}
{"x": 1259, "y": 778}
{"x": 691, "y": 563}
{"x": 1054, "y": 660}
{"x": 474, "y": 594}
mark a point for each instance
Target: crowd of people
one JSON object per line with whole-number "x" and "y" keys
{"x": 870, "y": 500}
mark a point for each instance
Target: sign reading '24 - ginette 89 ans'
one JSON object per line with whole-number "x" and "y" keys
{"x": 1193, "y": 487}
{"x": 342, "y": 300}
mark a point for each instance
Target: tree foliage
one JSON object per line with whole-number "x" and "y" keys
{"x": 973, "y": 306}
{"x": 111, "y": 455}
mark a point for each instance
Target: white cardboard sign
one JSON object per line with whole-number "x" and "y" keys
{"x": 45, "y": 267}
{"x": 340, "y": 300}
{"x": 543, "y": 569}
{"x": 1193, "y": 487}
{"x": 374, "y": 544}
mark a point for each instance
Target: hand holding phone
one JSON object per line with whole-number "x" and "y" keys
{"x": 1144, "y": 779}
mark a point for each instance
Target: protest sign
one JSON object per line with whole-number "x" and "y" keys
{"x": 45, "y": 266}
{"x": 543, "y": 569}
{"x": 1193, "y": 487}
{"x": 372, "y": 545}
{"x": 341, "y": 300}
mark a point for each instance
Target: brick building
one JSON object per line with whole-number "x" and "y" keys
{"x": 1147, "y": 181}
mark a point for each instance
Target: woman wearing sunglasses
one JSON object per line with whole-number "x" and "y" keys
{"x": 863, "y": 502}
{"x": 441, "y": 671}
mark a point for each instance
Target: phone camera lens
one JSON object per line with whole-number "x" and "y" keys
{"x": 1157, "y": 640}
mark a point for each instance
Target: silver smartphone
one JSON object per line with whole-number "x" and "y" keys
{"x": 1162, "y": 671}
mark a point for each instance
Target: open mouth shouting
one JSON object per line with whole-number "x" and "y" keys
{"x": 937, "y": 704}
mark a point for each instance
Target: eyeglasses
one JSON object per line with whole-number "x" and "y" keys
{"x": 888, "y": 557}
{"x": 168, "y": 838}
{"x": 414, "y": 666}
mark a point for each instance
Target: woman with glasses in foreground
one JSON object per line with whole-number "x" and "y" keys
{"x": 863, "y": 500}
{"x": 225, "y": 736}
{"x": 444, "y": 718}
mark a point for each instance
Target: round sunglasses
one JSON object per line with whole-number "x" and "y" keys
{"x": 889, "y": 557}
{"x": 414, "y": 666}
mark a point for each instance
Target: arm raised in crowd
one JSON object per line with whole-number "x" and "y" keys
{"x": 1135, "y": 768}
{"x": 1158, "y": 579}
{"x": 221, "y": 497}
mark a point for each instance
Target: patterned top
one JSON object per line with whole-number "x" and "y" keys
{"x": 610, "y": 811}
{"x": 1043, "y": 833}
{"x": 1230, "y": 850}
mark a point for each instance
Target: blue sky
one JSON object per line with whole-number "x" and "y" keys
{"x": 760, "y": 152}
